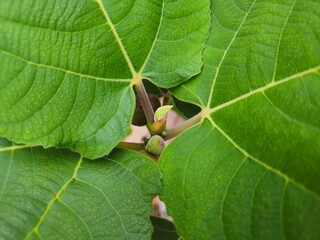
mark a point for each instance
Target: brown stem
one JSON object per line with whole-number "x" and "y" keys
{"x": 145, "y": 102}
{"x": 173, "y": 132}
{"x": 166, "y": 99}
{"x": 151, "y": 156}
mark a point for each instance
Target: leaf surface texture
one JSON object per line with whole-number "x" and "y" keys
{"x": 163, "y": 229}
{"x": 68, "y": 67}
{"x": 57, "y": 194}
{"x": 250, "y": 169}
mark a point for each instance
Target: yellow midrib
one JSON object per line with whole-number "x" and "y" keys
{"x": 268, "y": 167}
{"x": 225, "y": 53}
{"x": 136, "y": 76}
{"x": 205, "y": 113}
{"x": 40, "y": 65}
{"x": 258, "y": 90}
{"x": 114, "y": 31}
{"x": 35, "y": 229}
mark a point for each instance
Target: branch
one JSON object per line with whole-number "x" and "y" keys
{"x": 131, "y": 146}
{"x": 145, "y": 102}
{"x": 173, "y": 132}
{"x": 166, "y": 99}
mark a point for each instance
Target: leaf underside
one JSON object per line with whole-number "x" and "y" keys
{"x": 185, "y": 109}
{"x": 251, "y": 168}
{"x": 56, "y": 194}
{"x": 163, "y": 229}
{"x": 161, "y": 112}
{"x": 67, "y": 67}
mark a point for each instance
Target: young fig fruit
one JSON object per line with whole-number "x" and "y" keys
{"x": 138, "y": 118}
{"x": 155, "y": 145}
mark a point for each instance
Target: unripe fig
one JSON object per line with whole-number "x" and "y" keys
{"x": 155, "y": 145}
{"x": 138, "y": 118}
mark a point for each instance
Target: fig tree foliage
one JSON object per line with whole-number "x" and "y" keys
{"x": 72, "y": 74}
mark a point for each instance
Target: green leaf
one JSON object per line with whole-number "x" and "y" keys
{"x": 161, "y": 112}
{"x": 184, "y": 109}
{"x": 252, "y": 46}
{"x": 251, "y": 169}
{"x": 56, "y": 194}
{"x": 215, "y": 190}
{"x": 68, "y": 67}
{"x": 163, "y": 229}
{"x": 151, "y": 88}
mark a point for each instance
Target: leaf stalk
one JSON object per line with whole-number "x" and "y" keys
{"x": 166, "y": 99}
{"x": 146, "y": 104}
{"x": 131, "y": 146}
{"x": 173, "y": 132}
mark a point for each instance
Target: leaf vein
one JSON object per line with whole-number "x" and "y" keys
{"x": 252, "y": 201}
{"x": 270, "y": 85}
{"x": 280, "y": 38}
{"x": 35, "y": 229}
{"x": 225, "y": 53}
{"x": 281, "y": 210}
{"x": 74, "y": 104}
{"x": 276, "y": 171}
{"x": 78, "y": 216}
{"x": 7, "y": 175}
{"x": 49, "y": 100}
{"x": 193, "y": 93}
{"x": 187, "y": 163}
{"x": 127, "y": 15}
{"x": 225, "y": 194}
{"x": 107, "y": 199}
{"x": 16, "y": 77}
{"x": 114, "y": 31}
{"x": 114, "y": 116}
{"x": 288, "y": 117}
{"x": 50, "y": 29}
{"x": 57, "y": 229}
{"x": 123, "y": 166}
{"x": 154, "y": 42}
{"x": 13, "y": 148}
{"x": 62, "y": 70}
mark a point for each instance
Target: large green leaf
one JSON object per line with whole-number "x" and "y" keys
{"x": 184, "y": 109}
{"x": 56, "y": 194}
{"x": 68, "y": 67}
{"x": 251, "y": 168}
{"x": 163, "y": 229}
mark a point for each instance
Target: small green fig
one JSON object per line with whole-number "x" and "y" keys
{"x": 138, "y": 118}
{"x": 155, "y": 145}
